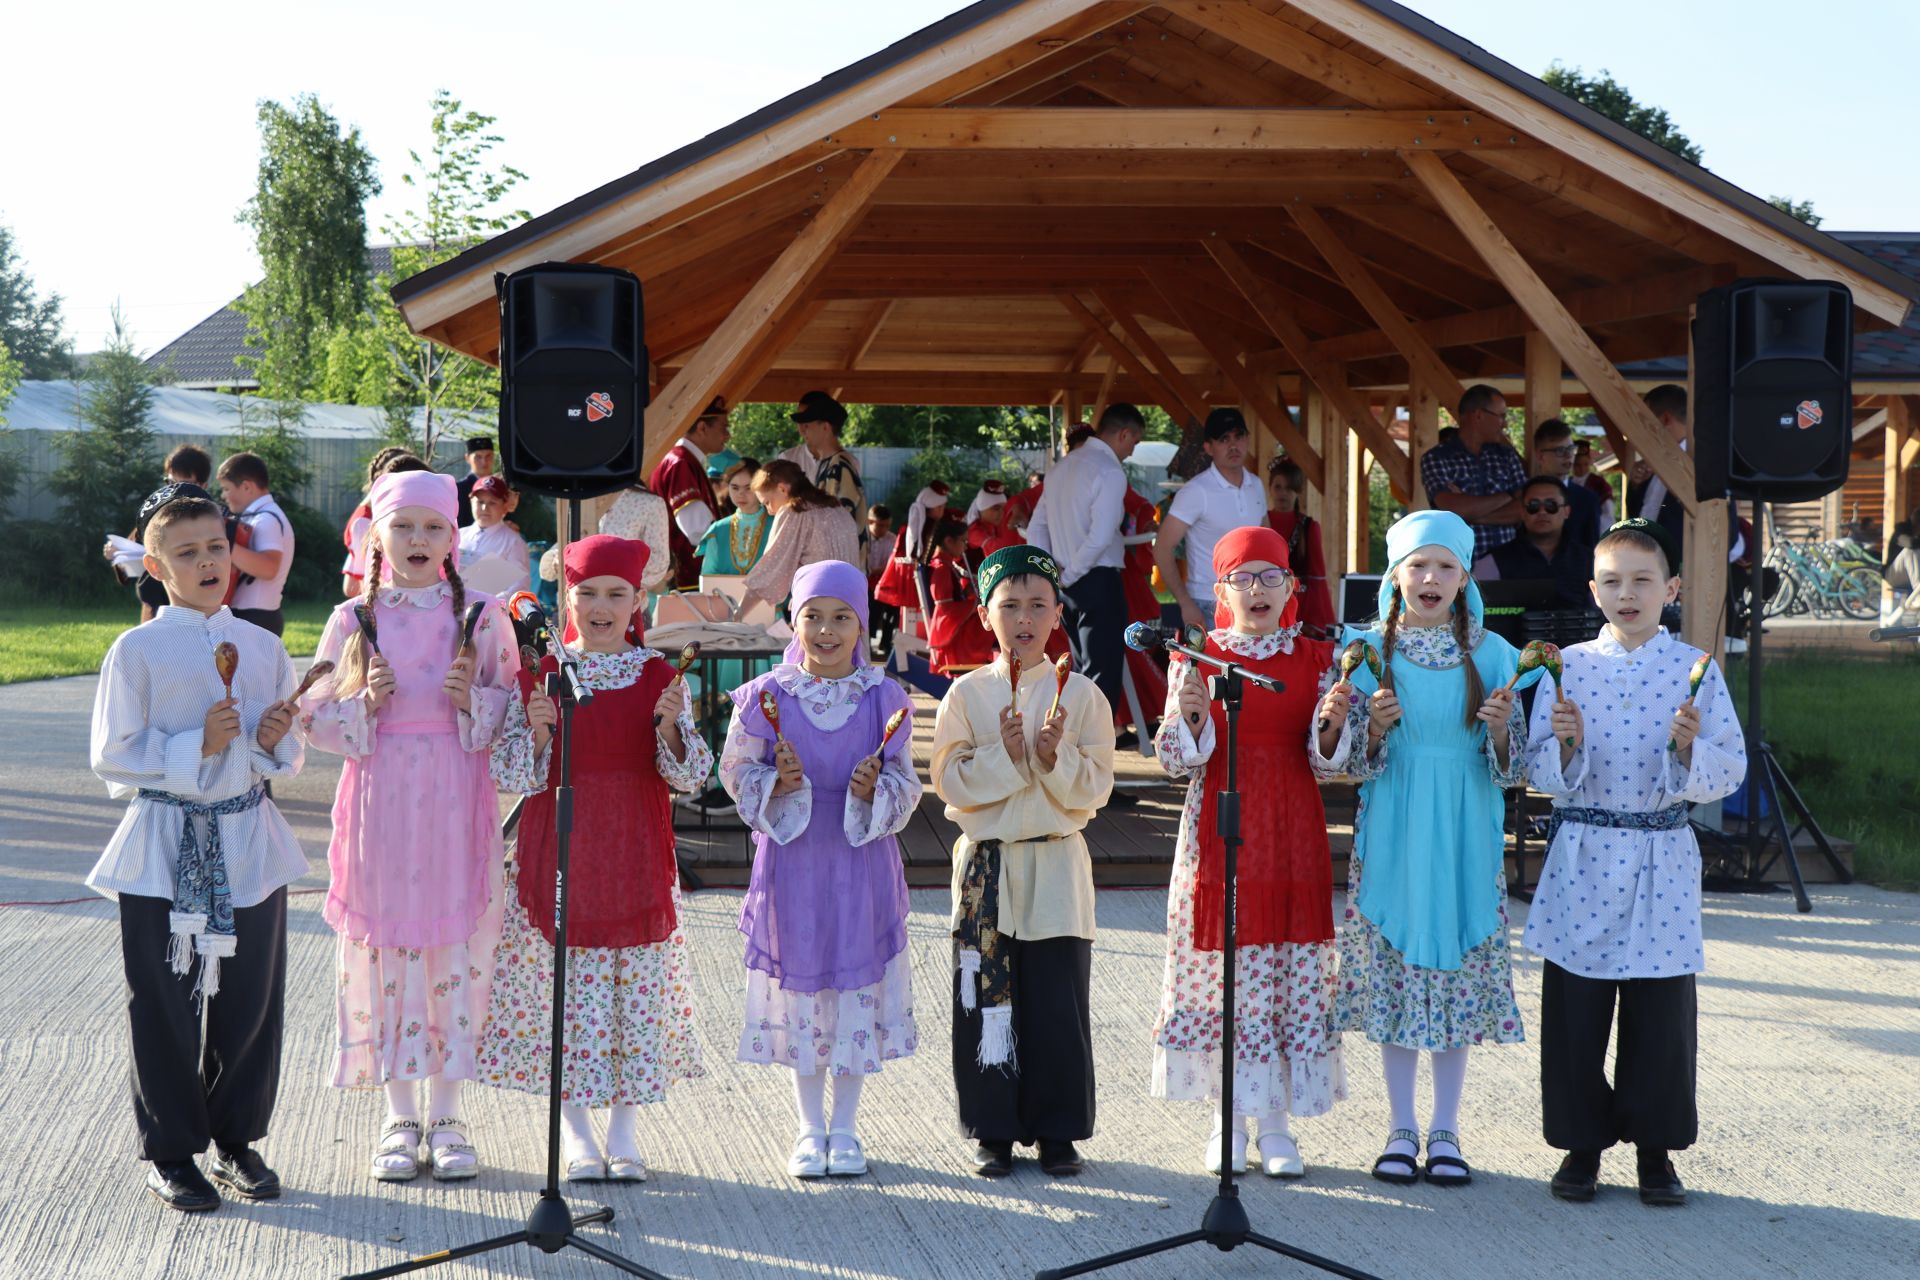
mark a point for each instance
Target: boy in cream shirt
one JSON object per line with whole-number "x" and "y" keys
{"x": 1021, "y": 777}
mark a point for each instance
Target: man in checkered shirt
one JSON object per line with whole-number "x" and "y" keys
{"x": 1476, "y": 474}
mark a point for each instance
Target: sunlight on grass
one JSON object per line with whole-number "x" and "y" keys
{"x": 71, "y": 640}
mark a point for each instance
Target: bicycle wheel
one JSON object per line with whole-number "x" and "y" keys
{"x": 1859, "y": 592}
{"x": 1783, "y": 600}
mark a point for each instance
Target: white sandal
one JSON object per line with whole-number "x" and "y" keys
{"x": 848, "y": 1160}
{"x": 1239, "y": 1156}
{"x": 451, "y": 1161}
{"x": 395, "y": 1145}
{"x": 1284, "y": 1163}
{"x": 809, "y": 1158}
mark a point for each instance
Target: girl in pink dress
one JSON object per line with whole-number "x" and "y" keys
{"x": 416, "y": 853}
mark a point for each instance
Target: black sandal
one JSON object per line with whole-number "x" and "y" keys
{"x": 1411, "y": 1162}
{"x": 1446, "y": 1162}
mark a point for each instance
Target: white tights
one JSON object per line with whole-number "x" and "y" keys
{"x": 1449, "y": 1081}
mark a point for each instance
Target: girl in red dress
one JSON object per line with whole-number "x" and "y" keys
{"x": 958, "y": 640}
{"x": 1287, "y": 1058}
{"x": 1285, "y": 483}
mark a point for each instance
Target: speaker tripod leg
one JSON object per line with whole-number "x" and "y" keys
{"x": 1770, "y": 777}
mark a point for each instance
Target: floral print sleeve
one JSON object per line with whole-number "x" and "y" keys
{"x": 747, "y": 773}
{"x": 1345, "y": 762}
{"x": 1514, "y": 772}
{"x": 329, "y": 722}
{"x": 515, "y": 766}
{"x": 896, "y": 797}
{"x": 1180, "y": 753}
{"x": 690, "y": 774}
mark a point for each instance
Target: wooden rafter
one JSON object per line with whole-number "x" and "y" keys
{"x": 1329, "y": 378}
{"x": 1576, "y": 347}
{"x": 1199, "y": 129}
{"x": 1245, "y": 383}
{"x": 1125, "y": 355}
{"x": 1421, "y": 358}
{"x": 1288, "y": 46}
{"x": 869, "y": 330}
{"x": 764, "y": 306}
{"x": 1155, "y": 354}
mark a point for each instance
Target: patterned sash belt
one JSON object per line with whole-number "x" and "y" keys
{"x": 202, "y": 915}
{"x": 1671, "y": 818}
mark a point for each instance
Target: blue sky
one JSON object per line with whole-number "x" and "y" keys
{"x": 122, "y": 183}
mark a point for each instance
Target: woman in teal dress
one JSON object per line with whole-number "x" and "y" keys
{"x": 1423, "y": 946}
{"x": 733, "y": 543}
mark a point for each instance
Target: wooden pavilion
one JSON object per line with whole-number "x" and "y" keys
{"x": 1333, "y": 206}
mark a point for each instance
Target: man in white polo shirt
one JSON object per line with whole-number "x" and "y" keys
{"x": 262, "y": 542}
{"x": 1224, "y": 497}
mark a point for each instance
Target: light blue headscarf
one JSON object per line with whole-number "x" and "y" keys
{"x": 1431, "y": 529}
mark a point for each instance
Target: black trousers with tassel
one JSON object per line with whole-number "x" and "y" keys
{"x": 188, "y": 1092}
{"x": 1046, "y": 1093}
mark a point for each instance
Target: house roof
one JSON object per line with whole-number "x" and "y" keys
{"x": 208, "y": 355}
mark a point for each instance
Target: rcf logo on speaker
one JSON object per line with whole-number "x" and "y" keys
{"x": 1806, "y": 415}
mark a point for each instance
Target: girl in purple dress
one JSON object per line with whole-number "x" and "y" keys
{"x": 825, "y": 917}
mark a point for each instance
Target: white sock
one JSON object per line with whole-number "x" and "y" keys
{"x": 403, "y": 1099}
{"x": 810, "y": 1099}
{"x": 443, "y": 1103}
{"x": 1274, "y": 1125}
{"x": 846, "y": 1105}
{"x": 1401, "y": 1066}
{"x": 623, "y": 1131}
{"x": 576, "y": 1127}
{"x": 1449, "y": 1081}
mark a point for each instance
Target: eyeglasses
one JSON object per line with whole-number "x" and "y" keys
{"x": 1241, "y": 580}
{"x": 1561, "y": 450}
{"x": 1549, "y": 505}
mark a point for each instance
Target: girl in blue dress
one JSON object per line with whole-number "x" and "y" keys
{"x": 1423, "y": 945}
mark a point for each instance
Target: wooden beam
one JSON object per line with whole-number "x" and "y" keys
{"x": 1587, "y": 146}
{"x": 1421, "y": 358}
{"x": 1286, "y": 45}
{"x": 1246, "y": 383}
{"x": 1121, "y": 352}
{"x": 868, "y": 331}
{"x": 1871, "y": 425}
{"x": 1331, "y": 380}
{"x": 1011, "y": 65}
{"x": 1171, "y": 129}
{"x": 1100, "y": 398}
{"x": 766, "y": 304}
{"x": 1896, "y": 483}
{"x": 1156, "y": 355}
{"x": 767, "y": 350}
{"x": 1543, "y": 386}
{"x": 1423, "y": 433}
{"x": 1704, "y": 547}
{"x": 1610, "y": 390}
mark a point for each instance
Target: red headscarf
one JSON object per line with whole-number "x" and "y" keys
{"x": 604, "y": 555}
{"x": 1243, "y": 546}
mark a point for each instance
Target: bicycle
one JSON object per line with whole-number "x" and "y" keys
{"x": 1825, "y": 579}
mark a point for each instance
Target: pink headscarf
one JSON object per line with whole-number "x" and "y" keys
{"x": 438, "y": 493}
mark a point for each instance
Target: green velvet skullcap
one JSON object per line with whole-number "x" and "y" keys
{"x": 1014, "y": 562}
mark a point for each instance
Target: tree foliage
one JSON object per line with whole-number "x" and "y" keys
{"x": 10, "y": 463}
{"x": 106, "y": 468}
{"x": 1801, "y": 209}
{"x": 1614, "y": 101}
{"x": 309, "y": 221}
{"x": 29, "y": 324}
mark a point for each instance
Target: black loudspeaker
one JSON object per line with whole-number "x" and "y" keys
{"x": 1772, "y": 389}
{"x": 573, "y": 378}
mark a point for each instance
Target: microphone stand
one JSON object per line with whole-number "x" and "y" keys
{"x": 1225, "y": 1225}
{"x": 551, "y": 1226}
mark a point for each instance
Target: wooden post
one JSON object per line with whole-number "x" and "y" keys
{"x": 1327, "y": 430}
{"x": 1543, "y": 386}
{"x": 1359, "y": 502}
{"x": 1896, "y": 489}
{"x": 1423, "y": 433}
{"x": 1703, "y": 601}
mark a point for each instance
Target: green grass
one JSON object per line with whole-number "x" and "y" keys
{"x": 1846, "y": 730}
{"x": 71, "y": 640}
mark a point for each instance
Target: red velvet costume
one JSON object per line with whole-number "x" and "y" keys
{"x": 680, "y": 479}
{"x": 1316, "y": 602}
{"x": 958, "y": 640}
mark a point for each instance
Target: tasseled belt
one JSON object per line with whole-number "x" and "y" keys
{"x": 986, "y": 971}
{"x": 202, "y": 915}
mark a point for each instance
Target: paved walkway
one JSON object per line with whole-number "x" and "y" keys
{"x": 1810, "y": 1049}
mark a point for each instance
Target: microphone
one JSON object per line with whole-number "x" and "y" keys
{"x": 530, "y": 619}
{"x": 1142, "y": 636}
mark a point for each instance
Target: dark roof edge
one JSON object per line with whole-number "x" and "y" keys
{"x": 1692, "y": 174}
{"x": 719, "y": 140}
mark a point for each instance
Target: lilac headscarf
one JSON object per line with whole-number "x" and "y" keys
{"x": 837, "y": 580}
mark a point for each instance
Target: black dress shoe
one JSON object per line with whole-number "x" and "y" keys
{"x": 1578, "y": 1177}
{"x": 180, "y": 1185}
{"x": 1060, "y": 1159}
{"x": 993, "y": 1159}
{"x": 1122, "y": 800}
{"x": 1128, "y": 741}
{"x": 1659, "y": 1184}
{"x": 244, "y": 1173}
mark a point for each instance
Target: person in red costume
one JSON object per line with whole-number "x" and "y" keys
{"x": 958, "y": 639}
{"x": 987, "y": 529}
{"x": 1287, "y": 1059}
{"x": 1286, "y": 485}
{"x": 626, "y": 951}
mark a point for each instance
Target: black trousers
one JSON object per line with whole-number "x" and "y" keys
{"x": 185, "y": 1092}
{"x": 1096, "y": 618}
{"x": 1651, "y": 1100}
{"x": 272, "y": 619}
{"x": 1051, "y": 1095}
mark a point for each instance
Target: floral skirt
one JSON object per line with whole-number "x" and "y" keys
{"x": 1287, "y": 1054}
{"x": 629, "y": 1016}
{"x": 1397, "y": 1003}
{"x": 841, "y": 1033}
